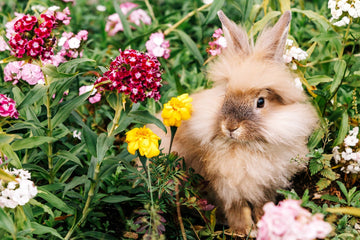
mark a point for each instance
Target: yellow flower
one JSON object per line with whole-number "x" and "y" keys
{"x": 144, "y": 140}
{"x": 177, "y": 109}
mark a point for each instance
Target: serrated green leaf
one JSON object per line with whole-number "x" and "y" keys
{"x": 67, "y": 108}
{"x": 315, "y": 138}
{"x": 31, "y": 142}
{"x": 41, "y": 229}
{"x": 191, "y": 45}
{"x": 215, "y": 7}
{"x": 343, "y": 129}
{"x": 33, "y": 95}
{"x": 116, "y": 199}
{"x": 323, "y": 183}
{"x": 328, "y": 173}
{"x": 315, "y": 166}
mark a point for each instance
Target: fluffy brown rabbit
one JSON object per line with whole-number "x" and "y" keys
{"x": 247, "y": 135}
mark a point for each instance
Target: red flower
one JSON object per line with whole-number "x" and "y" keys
{"x": 133, "y": 73}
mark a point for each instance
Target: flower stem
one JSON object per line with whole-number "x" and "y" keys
{"x": 151, "y": 196}
{"x": 151, "y": 11}
{"x": 344, "y": 39}
{"x": 189, "y": 15}
{"x": 86, "y": 209}
{"x": 179, "y": 212}
{"x": 117, "y": 115}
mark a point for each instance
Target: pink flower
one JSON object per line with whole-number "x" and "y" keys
{"x": 12, "y": 71}
{"x": 289, "y": 220}
{"x": 63, "y": 16}
{"x": 133, "y": 73}
{"x": 32, "y": 74}
{"x": 157, "y": 45}
{"x": 114, "y": 25}
{"x": 3, "y": 45}
{"x": 96, "y": 97}
{"x": 218, "y": 44}
{"x": 7, "y": 107}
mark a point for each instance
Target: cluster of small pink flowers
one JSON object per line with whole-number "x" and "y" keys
{"x": 348, "y": 153}
{"x": 133, "y": 73}
{"x": 218, "y": 43}
{"x": 289, "y": 220}
{"x": 137, "y": 16}
{"x": 157, "y": 45}
{"x": 15, "y": 71}
{"x": 32, "y": 36}
{"x": 70, "y": 44}
{"x": 7, "y": 107}
{"x": 96, "y": 96}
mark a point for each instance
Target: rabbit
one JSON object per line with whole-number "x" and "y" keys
{"x": 248, "y": 134}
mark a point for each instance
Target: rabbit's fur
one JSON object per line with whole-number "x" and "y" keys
{"x": 247, "y": 147}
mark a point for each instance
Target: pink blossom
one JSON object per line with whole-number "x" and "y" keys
{"x": 96, "y": 97}
{"x": 218, "y": 44}
{"x": 7, "y": 107}
{"x": 157, "y": 45}
{"x": 64, "y": 16}
{"x": 3, "y": 45}
{"x": 32, "y": 74}
{"x": 114, "y": 25}
{"x": 289, "y": 220}
{"x": 12, "y": 71}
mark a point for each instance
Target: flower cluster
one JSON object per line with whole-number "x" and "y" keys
{"x": 289, "y": 220}
{"x": 292, "y": 52}
{"x": 348, "y": 153}
{"x": 344, "y": 9}
{"x": 7, "y": 107}
{"x": 144, "y": 140}
{"x": 17, "y": 192}
{"x": 218, "y": 43}
{"x": 133, "y": 73}
{"x": 176, "y": 110}
{"x": 31, "y": 36}
{"x": 157, "y": 45}
{"x": 70, "y": 44}
{"x": 137, "y": 16}
{"x": 19, "y": 70}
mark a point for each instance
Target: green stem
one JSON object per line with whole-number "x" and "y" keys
{"x": 344, "y": 39}
{"x": 117, "y": 115}
{"x": 151, "y": 196}
{"x": 189, "y": 15}
{"x": 151, "y": 11}
{"x": 173, "y": 131}
{"x": 86, "y": 209}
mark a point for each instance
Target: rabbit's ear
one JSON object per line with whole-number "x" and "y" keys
{"x": 235, "y": 36}
{"x": 271, "y": 42}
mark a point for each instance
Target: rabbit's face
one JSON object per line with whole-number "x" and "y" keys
{"x": 243, "y": 113}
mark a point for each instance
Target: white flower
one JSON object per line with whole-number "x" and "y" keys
{"x": 74, "y": 43}
{"x": 62, "y": 40}
{"x": 101, "y": 8}
{"x": 351, "y": 141}
{"x": 298, "y": 83}
{"x": 207, "y": 1}
{"x": 347, "y": 154}
{"x": 354, "y": 131}
{"x": 77, "y": 134}
{"x": 38, "y": 8}
{"x": 53, "y": 8}
{"x": 336, "y": 154}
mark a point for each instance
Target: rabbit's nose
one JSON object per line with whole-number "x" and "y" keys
{"x": 232, "y": 128}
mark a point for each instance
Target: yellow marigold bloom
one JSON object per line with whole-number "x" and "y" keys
{"x": 144, "y": 140}
{"x": 177, "y": 109}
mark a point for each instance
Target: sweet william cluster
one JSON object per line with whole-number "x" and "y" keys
{"x": 132, "y": 73}
{"x": 32, "y": 36}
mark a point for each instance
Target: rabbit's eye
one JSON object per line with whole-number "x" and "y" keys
{"x": 260, "y": 102}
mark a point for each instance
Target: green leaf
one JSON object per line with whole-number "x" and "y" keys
{"x": 7, "y": 150}
{"x": 7, "y": 138}
{"x": 339, "y": 68}
{"x": 67, "y": 108}
{"x": 333, "y": 198}
{"x": 90, "y": 139}
{"x": 51, "y": 71}
{"x": 69, "y": 156}
{"x": 7, "y": 223}
{"x": 123, "y": 19}
{"x": 74, "y": 183}
{"x": 70, "y": 66}
{"x": 323, "y": 183}
{"x": 342, "y": 188}
{"x": 313, "y": 16}
{"x": 315, "y": 80}
{"x": 5, "y": 176}
{"x": 31, "y": 142}
{"x": 46, "y": 208}
{"x": 344, "y": 128}
{"x": 328, "y": 173}
{"x": 144, "y": 117}
{"x": 33, "y": 95}
{"x": 54, "y": 200}
{"x": 215, "y": 7}
{"x": 116, "y": 199}
{"x": 315, "y": 166}
{"x": 315, "y": 138}
{"x": 284, "y": 5}
{"x": 41, "y": 229}
{"x": 191, "y": 45}
{"x": 259, "y": 25}
{"x": 103, "y": 144}
{"x": 67, "y": 173}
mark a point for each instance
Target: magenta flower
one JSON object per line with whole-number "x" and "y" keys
{"x": 289, "y": 220}
{"x": 132, "y": 73}
{"x": 218, "y": 43}
{"x": 7, "y": 107}
{"x": 157, "y": 45}
{"x": 138, "y": 16}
